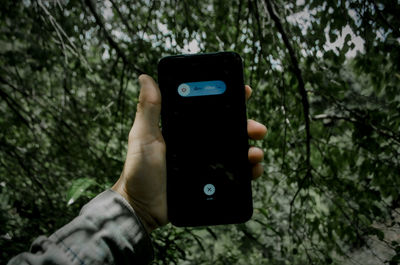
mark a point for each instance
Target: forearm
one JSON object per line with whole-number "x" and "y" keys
{"x": 107, "y": 231}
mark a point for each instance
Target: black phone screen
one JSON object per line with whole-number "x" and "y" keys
{"x": 204, "y": 125}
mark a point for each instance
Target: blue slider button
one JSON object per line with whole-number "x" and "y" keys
{"x": 204, "y": 88}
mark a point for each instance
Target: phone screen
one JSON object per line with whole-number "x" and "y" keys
{"x": 204, "y": 125}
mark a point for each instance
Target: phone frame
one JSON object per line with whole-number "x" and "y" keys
{"x": 244, "y": 209}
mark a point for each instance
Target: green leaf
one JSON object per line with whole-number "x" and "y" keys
{"x": 347, "y": 38}
{"x": 263, "y": 212}
{"x": 78, "y": 188}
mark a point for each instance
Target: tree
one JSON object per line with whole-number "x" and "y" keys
{"x": 325, "y": 77}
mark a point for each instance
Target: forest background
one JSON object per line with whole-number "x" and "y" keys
{"x": 326, "y": 81}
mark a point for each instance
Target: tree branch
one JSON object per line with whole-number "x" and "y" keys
{"x": 395, "y": 30}
{"x": 124, "y": 21}
{"x": 299, "y": 77}
{"x": 304, "y": 100}
{"x": 23, "y": 162}
{"x": 15, "y": 107}
{"x": 109, "y": 38}
{"x": 359, "y": 120}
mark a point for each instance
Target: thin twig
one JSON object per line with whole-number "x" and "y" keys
{"x": 238, "y": 17}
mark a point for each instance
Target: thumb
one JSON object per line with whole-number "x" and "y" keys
{"x": 149, "y": 108}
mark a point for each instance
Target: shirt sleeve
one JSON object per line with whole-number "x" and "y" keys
{"x": 107, "y": 231}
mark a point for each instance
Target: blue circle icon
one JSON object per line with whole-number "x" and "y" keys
{"x": 183, "y": 90}
{"x": 209, "y": 189}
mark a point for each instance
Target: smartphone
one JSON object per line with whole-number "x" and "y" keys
{"x": 204, "y": 125}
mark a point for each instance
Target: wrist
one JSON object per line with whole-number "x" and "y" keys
{"x": 147, "y": 221}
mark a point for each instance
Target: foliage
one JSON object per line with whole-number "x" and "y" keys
{"x": 325, "y": 78}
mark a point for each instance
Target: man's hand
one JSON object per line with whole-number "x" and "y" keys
{"x": 143, "y": 180}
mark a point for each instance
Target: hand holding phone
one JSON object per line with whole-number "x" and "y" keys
{"x": 143, "y": 180}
